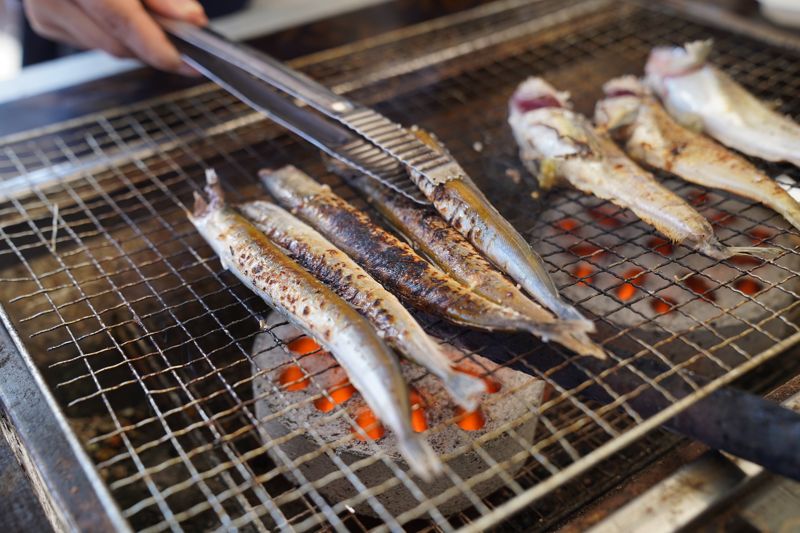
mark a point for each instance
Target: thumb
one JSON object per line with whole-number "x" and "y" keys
{"x": 187, "y": 10}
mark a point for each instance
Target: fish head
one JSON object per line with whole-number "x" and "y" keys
{"x": 672, "y": 61}
{"x": 535, "y": 93}
{"x": 290, "y": 186}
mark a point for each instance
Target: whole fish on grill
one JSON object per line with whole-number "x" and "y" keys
{"x": 332, "y": 266}
{"x": 435, "y": 239}
{"x": 651, "y": 136}
{"x": 388, "y": 259}
{"x": 371, "y": 367}
{"x": 702, "y": 97}
{"x": 558, "y": 144}
{"x": 465, "y": 207}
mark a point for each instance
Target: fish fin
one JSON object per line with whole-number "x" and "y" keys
{"x": 216, "y": 196}
{"x": 465, "y": 389}
{"x": 420, "y": 457}
{"x": 201, "y": 207}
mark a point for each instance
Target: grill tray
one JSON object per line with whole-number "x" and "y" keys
{"x": 144, "y": 342}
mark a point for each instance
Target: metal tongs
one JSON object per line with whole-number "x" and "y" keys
{"x": 356, "y": 135}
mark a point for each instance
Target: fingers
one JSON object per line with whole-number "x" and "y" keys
{"x": 134, "y": 26}
{"x": 66, "y": 22}
{"x": 188, "y": 10}
{"x": 120, "y": 27}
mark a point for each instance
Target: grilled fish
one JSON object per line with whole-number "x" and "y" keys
{"x": 702, "y": 97}
{"x": 332, "y": 266}
{"x": 434, "y": 238}
{"x": 463, "y": 205}
{"x": 388, "y": 259}
{"x": 558, "y": 144}
{"x": 309, "y": 304}
{"x": 650, "y": 136}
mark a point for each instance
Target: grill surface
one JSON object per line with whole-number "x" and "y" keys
{"x": 145, "y": 342}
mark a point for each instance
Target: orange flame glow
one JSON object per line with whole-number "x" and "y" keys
{"x": 583, "y": 272}
{"x": 700, "y": 287}
{"x": 661, "y": 246}
{"x": 470, "y": 421}
{"x": 293, "y": 378}
{"x": 748, "y": 286}
{"x": 662, "y": 304}
{"x": 634, "y": 278}
{"x": 338, "y": 395}
{"x": 303, "y": 345}
{"x": 367, "y": 421}
{"x": 567, "y": 224}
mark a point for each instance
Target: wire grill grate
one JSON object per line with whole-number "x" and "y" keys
{"x": 146, "y": 343}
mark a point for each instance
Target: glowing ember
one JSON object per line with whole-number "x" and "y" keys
{"x": 748, "y": 286}
{"x": 660, "y": 246}
{"x": 492, "y": 385}
{"x": 662, "y": 304}
{"x": 698, "y": 198}
{"x": 746, "y": 260}
{"x": 567, "y": 224}
{"x": 368, "y": 422}
{"x": 293, "y": 378}
{"x": 760, "y": 235}
{"x": 583, "y": 273}
{"x": 415, "y": 397}
{"x": 634, "y": 278}
{"x": 418, "y": 420}
{"x": 700, "y": 287}
{"x": 625, "y": 292}
{"x": 605, "y": 216}
{"x": 470, "y": 421}
{"x": 585, "y": 249}
{"x": 303, "y": 346}
{"x": 338, "y": 395}
{"x": 721, "y": 218}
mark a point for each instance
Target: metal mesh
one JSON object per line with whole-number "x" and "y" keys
{"x": 146, "y": 341}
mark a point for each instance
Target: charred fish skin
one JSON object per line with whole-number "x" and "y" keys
{"x": 370, "y": 365}
{"x": 390, "y": 261}
{"x": 560, "y": 145}
{"x": 700, "y": 96}
{"x": 332, "y": 266}
{"x": 652, "y": 137}
{"x": 462, "y": 204}
{"x": 428, "y": 232}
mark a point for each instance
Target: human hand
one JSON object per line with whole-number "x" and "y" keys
{"x": 123, "y": 28}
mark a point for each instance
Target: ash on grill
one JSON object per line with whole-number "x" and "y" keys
{"x": 647, "y": 286}
{"x": 513, "y": 399}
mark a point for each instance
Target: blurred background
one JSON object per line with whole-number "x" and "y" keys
{"x": 21, "y": 47}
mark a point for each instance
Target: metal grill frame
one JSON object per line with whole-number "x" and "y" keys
{"x": 245, "y": 125}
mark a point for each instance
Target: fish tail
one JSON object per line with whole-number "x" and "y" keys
{"x": 713, "y": 248}
{"x": 764, "y": 252}
{"x": 464, "y": 389}
{"x": 569, "y": 313}
{"x": 572, "y": 334}
{"x": 420, "y": 456}
{"x": 216, "y": 196}
{"x": 201, "y": 207}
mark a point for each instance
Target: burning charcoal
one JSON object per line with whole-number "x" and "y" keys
{"x": 511, "y": 396}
